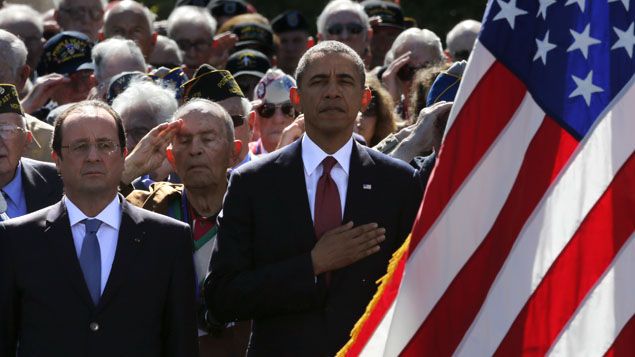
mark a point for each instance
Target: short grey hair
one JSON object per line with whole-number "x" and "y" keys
{"x": 329, "y": 47}
{"x": 189, "y": 13}
{"x": 340, "y": 5}
{"x": 423, "y": 37}
{"x": 197, "y": 104}
{"x": 60, "y": 3}
{"x": 150, "y": 96}
{"x": 462, "y": 36}
{"x": 12, "y": 13}
{"x": 13, "y": 52}
{"x": 168, "y": 45}
{"x": 112, "y": 47}
{"x": 246, "y": 104}
{"x": 149, "y": 15}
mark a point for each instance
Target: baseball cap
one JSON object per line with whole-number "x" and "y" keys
{"x": 290, "y": 20}
{"x": 210, "y": 83}
{"x": 274, "y": 87}
{"x": 9, "y": 100}
{"x": 255, "y": 36}
{"x": 389, "y": 12}
{"x": 66, "y": 53}
{"x": 248, "y": 62}
{"x": 227, "y": 8}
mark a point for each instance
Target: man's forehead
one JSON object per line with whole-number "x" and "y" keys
{"x": 343, "y": 15}
{"x": 10, "y": 118}
{"x": 320, "y": 63}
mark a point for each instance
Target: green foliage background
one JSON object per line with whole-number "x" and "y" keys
{"x": 436, "y": 15}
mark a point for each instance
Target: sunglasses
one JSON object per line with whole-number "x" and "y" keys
{"x": 237, "y": 120}
{"x": 267, "y": 110}
{"x": 351, "y": 27}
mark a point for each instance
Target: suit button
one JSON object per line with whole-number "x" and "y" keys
{"x": 94, "y": 326}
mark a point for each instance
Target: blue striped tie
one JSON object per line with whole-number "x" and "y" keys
{"x": 90, "y": 259}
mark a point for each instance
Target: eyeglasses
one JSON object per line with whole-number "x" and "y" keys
{"x": 10, "y": 131}
{"x": 238, "y": 120}
{"x": 81, "y": 12}
{"x": 351, "y": 27}
{"x": 82, "y": 148}
{"x": 200, "y": 45}
{"x": 267, "y": 110}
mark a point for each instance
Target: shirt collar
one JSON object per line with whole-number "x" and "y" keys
{"x": 111, "y": 215}
{"x": 14, "y": 188}
{"x": 312, "y": 155}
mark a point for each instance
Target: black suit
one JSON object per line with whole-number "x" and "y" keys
{"x": 147, "y": 307}
{"x": 262, "y": 266}
{"x": 41, "y": 184}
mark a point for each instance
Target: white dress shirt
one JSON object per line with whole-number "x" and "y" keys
{"x": 107, "y": 234}
{"x": 312, "y": 156}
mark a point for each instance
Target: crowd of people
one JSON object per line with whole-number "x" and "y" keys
{"x": 213, "y": 184}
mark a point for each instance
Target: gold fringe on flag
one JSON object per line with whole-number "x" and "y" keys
{"x": 383, "y": 281}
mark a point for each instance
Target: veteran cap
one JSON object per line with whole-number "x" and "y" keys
{"x": 248, "y": 62}
{"x": 274, "y": 87}
{"x": 170, "y": 78}
{"x": 119, "y": 83}
{"x": 66, "y": 53}
{"x": 215, "y": 85}
{"x": 255, "y": 36}
{"x": 227, "y": 8}
{"x": 389, "y": 12}
{"x": 9, "y": 100}
{"x": 291, "y": 20}
{"x": 446, "y": 84}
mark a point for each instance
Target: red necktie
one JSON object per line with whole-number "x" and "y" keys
{"x": 328, "y": 210}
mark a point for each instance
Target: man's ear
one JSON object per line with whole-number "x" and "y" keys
{"x": 154, "y": 38}
{"x": 294, "y": 97}
{"x": 367, "y": 96}
{"x": 170, "y": 156}
{"x": 235, "y": 155}
{"x": 29, "y": 137}
{"x": 125, "y": 152}
{"x": 25, "y": 71}
{"x": 251, "y": 121}
{"x": 101, "y": 36}
{"x": 56, "y": 159}
{"x": 310, "y": 42}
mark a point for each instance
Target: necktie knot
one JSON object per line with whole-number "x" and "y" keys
{"x": 327, "y": 164}
{"x": 92, "y": 225}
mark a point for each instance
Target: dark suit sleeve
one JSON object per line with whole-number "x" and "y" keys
{"x": 235, "y": 288}
{"x": 9, "y": 300}
{"x": 180, "y": 325}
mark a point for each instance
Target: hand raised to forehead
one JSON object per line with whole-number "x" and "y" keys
{"x": 150, "y": 152}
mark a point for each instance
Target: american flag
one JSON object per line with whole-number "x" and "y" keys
{"x": 524, "y": 243}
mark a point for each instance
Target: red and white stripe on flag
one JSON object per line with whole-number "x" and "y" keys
{"x": 525, "y": 240}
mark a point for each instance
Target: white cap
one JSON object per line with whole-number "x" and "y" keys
{"x": 274, "y": 87}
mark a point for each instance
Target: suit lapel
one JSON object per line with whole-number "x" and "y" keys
{"x": 360, "y": 184}
{"x": 129, "y": 242}
{"x": 62, "y": 248}
{"x": 293, "y": 185}
{"x": 35, "y": 187}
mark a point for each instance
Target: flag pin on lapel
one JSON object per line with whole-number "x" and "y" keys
{"x": 367, "y": 186}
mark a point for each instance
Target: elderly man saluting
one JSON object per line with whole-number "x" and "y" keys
{"x": 306, "y": 231}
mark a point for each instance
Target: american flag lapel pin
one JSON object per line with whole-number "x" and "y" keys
{"x": 367, "y": 186}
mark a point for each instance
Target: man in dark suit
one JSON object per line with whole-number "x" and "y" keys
{"x": 25, "y": 185}
{"x": 93, "y": 275}
{"x": 306, "y": 231}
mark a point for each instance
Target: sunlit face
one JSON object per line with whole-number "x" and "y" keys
{"x": 271, "y": 119}
{"x": 130, "y": 23}
{"x": 201, "y": 151}
{"x": 86, "y": 16}
{"x": 137, "y": 122}
{"x": 13, "y": 141}
{"x": 345, "y": 26}
{"x": 330, "y": 93}
{"x": 242, "y": 132}
{"x": 195, "y": 43}
{"x": 86, "y": 165}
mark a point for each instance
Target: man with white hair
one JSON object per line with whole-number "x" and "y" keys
{"x": 15, "y": 71}
{"x": 23, "y": 21}
{"x": 461, "y": 38}
{"x": 131, "y": 20}
{"x": 347, "y": 22}
{"x": 412, "y": 50}
{"x": 85, "y": 16}
{"x": 114, "y": 56}
{"x": 166, "y": 53}
{"x": 193, "y": 29}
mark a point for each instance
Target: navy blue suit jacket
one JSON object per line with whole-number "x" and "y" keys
{"x": 261, "y": 268}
